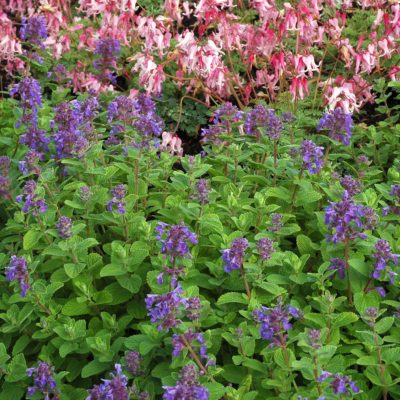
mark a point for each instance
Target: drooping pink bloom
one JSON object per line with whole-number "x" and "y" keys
{"x": 171, "y": 143}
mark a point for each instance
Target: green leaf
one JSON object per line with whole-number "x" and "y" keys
{"x": 112, "y": 270}
{"x": 344, "y": 319}
{"x": 306, "y": 197}
{"x": 362, "y": 301}
{"x": 161, "y": 370}
{"x": 4, "y": 357}
{"x": 232, "y": 297}
{"x": 325, "y": 353}
{"x": 74, "y": 204}
{"x": 19, "y": 345}
{"x": 284, "y": 359}
{"x": 305, "y": 245}
{"x": 131, "y": 283}
{"x": 133, "y": 342}
{"x": 16, "y": 369}
{"x": 138, "y": 252}
{"x": 215, "y": 390}
{"x": 73, "y": 270}
{"x": 67, "y": 348}
{"x": 94, "y": 368}
{"x": 384, "y": 324}
{"x": 272, "y": 288}
{"x": 367, "y": 360}
{"x": 390, "y": 356}
{"x": 210, "y": 223}
{"x": 73, "y": 308}
{"x": 30, "y": 239}
{"x": 280, "y": 193}
{"x": 12, "y": 391}
{"x": 361, "y": 266}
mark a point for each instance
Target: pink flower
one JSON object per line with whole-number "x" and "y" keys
{"x": 299, "y": 88}
{"x": 171, "y": 143}
{"x": 394, "y": 73}
{"x": 151, "y": 75}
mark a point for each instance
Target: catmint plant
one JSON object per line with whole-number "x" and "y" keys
{"x": 312, "y": 156}
{"x": 43, "y": 381}
{"x": 265, "y": 248}
{"x": 276, "y": 222}
{"x": 107, "y": 51}
{"x": 17, "y": 271}
{"x": 34, "y": 30}
{"x": 30, "y": 199}
{"x": 133, "y": 361}
{"x": 340, "y": 384}
{"x": 175, "y": 240}
{"x": 275, "y": 322}
{"x": 64, "y": 226}
{"x": 165, "y": 309}
{"x": 351, "y": 185}
{"x": 187, "y": 387}
{"x": 115, "y": 388}
{"x": 202, "y": 189}
{"x": 186, "y": 340}
{"x": 118, "y": 199}
{"x": 339, "y": 125}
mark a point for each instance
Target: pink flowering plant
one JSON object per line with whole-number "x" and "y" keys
{"x": 200, "y": 200}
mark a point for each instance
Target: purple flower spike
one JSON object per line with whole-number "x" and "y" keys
{"x": 64, "y": 226}
{"x": 175, "y": 240}
{"x": 339, "y": 266}
{"x": 202, "y": 188}
{"x": 118, "y": 193}
{"x": 276, "y": 222}
{"x": 133, "y": 362}
{"x": 34, "y": 30}
{"x": 339, "y": 125}
{"x": 345, "y": 219}
{"x": 222, "y": 122}
{"x": 275, "y": 322}
{"x": 31, "y": 101}
{"x": 18, "y": 271}
{"x": 187, "y": 387}
{"x": 255, "y": 119}
{"x": 164, "y": 309}
{"x": 312, "y": 156}
{"x": 274, "y": 126}
{"x": 233, "y": 258}
{"x": 140, "y": 114}
{"x": 383, "y": 255}
{"x": 31, "y": 201}
{"x": 352, "y": 186}
{"x": 227, "y": 114}
{"x": 108, "y": 51}
{"x": 265, "y": 248}
{"x": 314, "y": 336}
{"x": 43, "y": 379}
{"x": 179, "y": 343}
{"x": 74, "y": 123}
{"x": 192, "y": 307}
{"x": 340, "y": 384}
{"x": 261, "y": 119}
{"x": 115, "y": 388}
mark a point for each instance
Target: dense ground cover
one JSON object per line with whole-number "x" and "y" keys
{"x": 200, "y": 200}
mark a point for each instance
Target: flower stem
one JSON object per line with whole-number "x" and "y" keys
{"x": 195, "y": 356}
{"x": 346, "y": 260}
{"x": 246, "y": 282}
{"x": 381, "y": 366}
{"x": 315, "y": 364}
{"x": 295, "y": 190}
{"x": 275, "y": 159}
